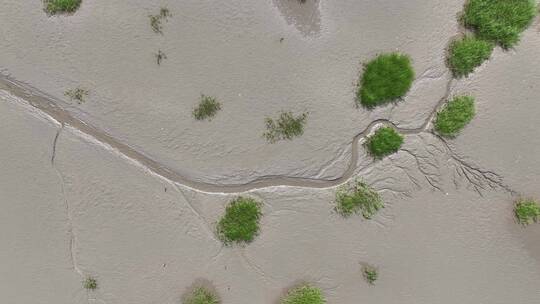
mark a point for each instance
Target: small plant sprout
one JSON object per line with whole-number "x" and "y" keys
{"x": 370, "y": 274}
{"x": 207, "y": 108}
{"x": 304, "y": 294}
{"x": 90, "y": 283}
{"x": 160, "y": 56}
{"x": 287, "y": 126}
{"x": 201, "y": 295}
{"x": 240, "y": 224}
{"x": 359, "y": 198}
{"x": 155, "y": 20}
{"x": 527, "y": 211}
{"x": 61, "y": 6}
{"x": 384, "y": 141}
{"x": 77, "y": 94}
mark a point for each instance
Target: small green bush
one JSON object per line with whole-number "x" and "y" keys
{"x": 207, "y": 108}
{"x": 468, "y": 53}
{"x": 201, "y": 295}
{"x": 385, "y": 78}
{"x": 240, "y": 224}
{"x": 61, "y": 6}
{"x": 384, "y": 141}
{"x": 370, "y": 274}
{"x": 287, "y": 126}
{"x": 455, "y": 116}
{"x": 358, "y": 199}
{"x": 90, "y": 283}
{"x": 305, "y": 294}
{"x": 527, "y": 211}
{"x": 500, "y": 21}
{"x": 77, "y": 94}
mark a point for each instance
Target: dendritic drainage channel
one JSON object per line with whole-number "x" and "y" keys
{"x": 49, "y": 106}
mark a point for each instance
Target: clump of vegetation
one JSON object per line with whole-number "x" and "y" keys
{"x": 500, "y": 21}
{"x": 77, "y": 94}
{"x": 455, "y": 116}
{"x": 468, "y": 53}
{"x": 527, "y": 211}
{"x": 304, "y": 294}
{"x": 384, "y": 141}
{"x": 287, "y": 126}
{"x": 90, "y": 283}
{"x": 160, "y": 56}
{"x": 385, "y": 78}
{"x": 240, "y": 224}
{"x": 207, "y": 108}
{"x": 61, "y": 6}
{"x": 359, "y": 198}
{"x": 370, "y": 274}
{"x": 201, "y": 295}
{"x": 155, "y": 20}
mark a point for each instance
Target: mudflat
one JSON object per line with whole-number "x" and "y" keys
{"x": 128, "y": 188}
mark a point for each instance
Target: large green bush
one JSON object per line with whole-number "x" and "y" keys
{"x": 61, "y": 6}
{"x": 305, "y": 294}
{"x": 359, "y": 198}
{"x": 385, "y": 78}
{"x": 468, "y": 53}
{"x": 240, "y": 224}
{"x": 384, "y": 141}
{"x": 527, "y": 211}
{"x": 500, "y": 21}
{"x": 455, "y": 116}
{"x": 201, "y": 295}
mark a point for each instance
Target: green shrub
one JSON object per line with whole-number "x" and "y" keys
{"x": 358, "y": 199}
{"x": 527, "y": 211}
{"x": 455, "y": 116}
{"x": 207, "y": 108}
{"x": 201, "y": 295}
{"x": 468, "y": 53}
{"x": 384, "y": 141}
{"x": 305, "y": 294}
{"x": 61, "y": 6}
{"x": 287, "y": 126}
{"x": 500, "y": 21}
{"x": 385, "y": 78}
{"x": 90, "y": 283}
{"x": 240, "y": 224}
{"x": 370, "y": 274}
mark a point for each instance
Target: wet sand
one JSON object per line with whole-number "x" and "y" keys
{"x": 235, "y": 54}
{"x": 146, "y": 239}
{"x": 100, "y": 189}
